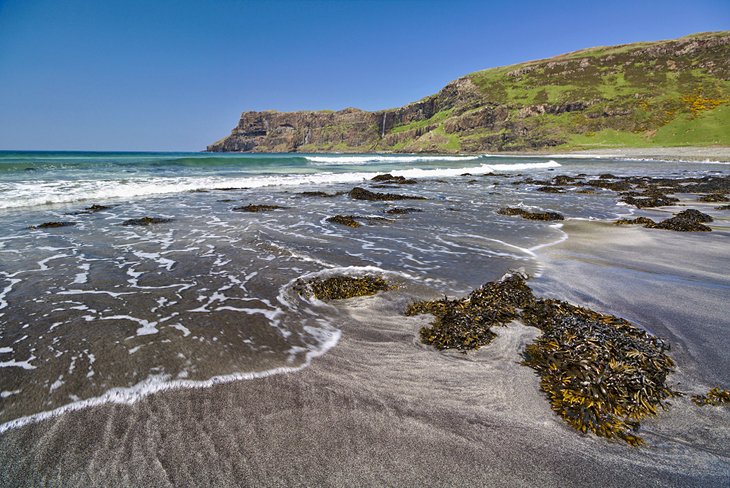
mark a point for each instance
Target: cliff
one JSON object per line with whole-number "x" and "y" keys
{"x": 665, "y": 93}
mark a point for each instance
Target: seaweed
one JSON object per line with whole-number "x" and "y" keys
{"x": 319, "y": 194}
{"x": 530, "y": 215}
{"x": 723, "y": 207}
{"x": 347, "y": 220}
{"x": 647, "y": 222}
{"x": 389, "y": 178}
{"x": 341, "y": 287}
{"x": 600, "y": 373}
{"x": 358, "y": 193}
{"x": 257, "y": 208}
{"x": 550, "y": 189}
{"x": 714, "y": 198}
{"x": 144, "y": 221}
{"x": 649, "y": 200}
{"x": 689, "y": 220}
{"x": 715, "y": 397}
{"x": 464, "y": 324}
{"x": 52, "y": 225}
{"x": 402, "y": 210}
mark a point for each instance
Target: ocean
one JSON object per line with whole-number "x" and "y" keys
{"x": 99, "y": 312}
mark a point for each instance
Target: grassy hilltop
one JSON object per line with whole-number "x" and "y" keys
{"x": 665, "y": 93}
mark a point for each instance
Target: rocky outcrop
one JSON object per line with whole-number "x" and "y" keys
{"x": 629, "y": 89}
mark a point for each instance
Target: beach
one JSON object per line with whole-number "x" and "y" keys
{"x": 344, "y": 393}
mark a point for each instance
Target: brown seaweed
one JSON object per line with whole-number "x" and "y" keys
{"x": 358, "y": 193}
{"x": 52, "y": 225}
{"x": 341, "y": 287}
{"x": 530, "y": 215}
{"x": 258, "y": 208}
{"x": 145, "y": 221}
{"x": 347, "y": 220}
{"x": 715, "y": 397}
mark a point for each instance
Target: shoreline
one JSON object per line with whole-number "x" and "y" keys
{"x": 355, "y": 414}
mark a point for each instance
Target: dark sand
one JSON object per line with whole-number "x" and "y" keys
{"x": 381, "y": 410}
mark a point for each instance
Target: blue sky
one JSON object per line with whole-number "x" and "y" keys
{"x": 175, "y": 75}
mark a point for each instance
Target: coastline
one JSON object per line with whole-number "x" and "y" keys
{"x": 381, "y": 409}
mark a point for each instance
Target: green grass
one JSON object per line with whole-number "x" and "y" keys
{"x": 435, "y": 119}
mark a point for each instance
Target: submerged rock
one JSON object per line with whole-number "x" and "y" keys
{"x": 96, "y": 208}
{"x": 525, "y": 214}
{"x": 639, "y": 220}
{"x": 257, "y": 208}
{"x": 348, "y": 220}
{"x": 723, "y": 207}
{"x": 52, "y": 225}
{"x": 144, "y": 221}
{"x": 358, "y": 193}
{"x": 649, "y": 200}
{"x": 714, "y": 198}
{"x": 716, "y": 397}
{"x": 341, "y": 287}
{"x": 550, "y": 189}
{"x": 402, "y": 210}
{"x": 320, "y": 194}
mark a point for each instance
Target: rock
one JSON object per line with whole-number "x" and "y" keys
{"x": 358, "y": 193}
{"x": 347, "y": 220}
{"x": 389, "y": 178}
{"x": 714, "y": 198}
{"x": 258, "y": 208}
{"x": 145, "y": 221}
{"x": 530, "y": 215}
{"x": 402, "y": 210}
{"x": 53, "y": 225}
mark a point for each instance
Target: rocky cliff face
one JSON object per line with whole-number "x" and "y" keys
{"x": 638, "y": 94}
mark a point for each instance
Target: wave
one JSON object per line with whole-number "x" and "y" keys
{"x": 33, "y": 193}
{"x": 379, "y": 158}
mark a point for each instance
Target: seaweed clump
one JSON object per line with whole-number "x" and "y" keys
{"x": 402, "y": 210}
{"x": 465, "y": 324}
{"x": 714, "y": 198}
{"x": 257, "y": 208}
{"x": 347, "y": 220}
{"x": 689, "y": 220}
{"x": 723, "y": 207}
{"x": 358, "y": 193}
{"x": 600, "y": 373}
{"x": 550, "y": 189}
{"x": 389, "y": 178}
{"x": 52, "y": 225}
{"x": 715, "y": 397}
{"x": 525, "y": 214}
{"x": 144, "y": 221}
{"x": 341, "y": 287}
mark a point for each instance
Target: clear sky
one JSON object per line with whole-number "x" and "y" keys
{"x": 175, "y": 75}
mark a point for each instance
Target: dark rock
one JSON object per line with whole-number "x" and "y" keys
{"x": 258, "y": 208}
{"x": 639, "y": 220}
{"x": 550, "y": 189}
{"x": 358, "y": 193}
{"x": 144, "y": 221}
{"x": 693, "y": 215}
{"x": 389, "y": 178}
{"x": 53, "y": 225}
{"x": 714, "y": 198}
{"x": 530, "y": 215}
{"x": 348, "y": 220}
{"x": 402, "y": 210}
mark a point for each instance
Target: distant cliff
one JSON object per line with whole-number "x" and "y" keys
{"x": 665, "y": 93}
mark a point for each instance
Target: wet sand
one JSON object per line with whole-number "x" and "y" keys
{"x": 379, "y": 409}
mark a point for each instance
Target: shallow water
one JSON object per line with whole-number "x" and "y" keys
{"x": 101, "y": 312}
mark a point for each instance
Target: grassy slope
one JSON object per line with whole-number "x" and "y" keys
{"x": 667, "y": 108}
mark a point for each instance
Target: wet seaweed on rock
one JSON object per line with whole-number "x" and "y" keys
{"x": 715, "y": 397}
{"x": 714, "y": 198}
{"x": 525, "y": 214}
{"x": 723, "y": 207}
{"x": 145, "y": 221}
{"x": 346, "y": 220}
{"x": 389, "y": 178}
{"x": 600, "y": 373}
{"x": 258, "y": 208}
{"x": 464, "y": 324}
{"x": 358, "y": 193}
{"x": 689, "y": 220}
{"x": 319, "y": 194}
{"x": 402, "y": 210}
{"x": 341, "y": 287}
{"x": 52, "y": 225}
{"x": 550, "y": 189}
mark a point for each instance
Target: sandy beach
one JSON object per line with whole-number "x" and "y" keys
{"x": 382, "y": 410}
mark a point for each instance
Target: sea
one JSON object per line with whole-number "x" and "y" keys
{"x": 102, "y": 312}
